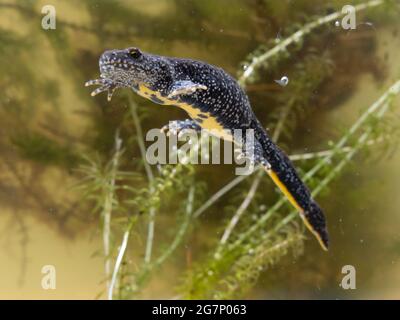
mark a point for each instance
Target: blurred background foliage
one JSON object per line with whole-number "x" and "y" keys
{"x": 74, "y": 163}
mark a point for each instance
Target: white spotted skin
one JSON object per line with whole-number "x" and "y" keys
{"x": 224, "y": 99}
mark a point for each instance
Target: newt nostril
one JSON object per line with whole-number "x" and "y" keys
{"x": 107, "y": 55}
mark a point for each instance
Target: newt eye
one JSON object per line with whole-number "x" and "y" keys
{"x": 135, "y": 53}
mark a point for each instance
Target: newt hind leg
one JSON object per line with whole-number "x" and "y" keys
{"x": 177, "y": 126}
{"x": 254, "y": 152}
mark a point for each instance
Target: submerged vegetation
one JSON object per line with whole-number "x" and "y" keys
{"x": 220, "y": 232}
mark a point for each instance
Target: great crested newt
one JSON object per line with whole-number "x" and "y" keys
{"x": 214, "y": 101}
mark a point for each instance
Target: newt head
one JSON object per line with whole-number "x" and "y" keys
{"x": 131, "y": 68}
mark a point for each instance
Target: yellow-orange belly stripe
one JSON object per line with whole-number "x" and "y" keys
{"x": 208, "y": 122}
{"x": 283, "y": 188}
{"x": 293, "y": 201}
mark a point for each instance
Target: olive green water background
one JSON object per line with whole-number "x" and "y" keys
{"x": 48, "y": 120}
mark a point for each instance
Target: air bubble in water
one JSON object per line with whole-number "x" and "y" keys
{"x": 283, "y": 81}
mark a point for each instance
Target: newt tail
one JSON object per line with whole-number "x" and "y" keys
{"x": 284, "y": 175}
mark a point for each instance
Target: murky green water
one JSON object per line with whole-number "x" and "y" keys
{"x": 49, "y": 121}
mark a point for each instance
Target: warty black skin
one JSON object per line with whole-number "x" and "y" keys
{"x": 223, "y": 99}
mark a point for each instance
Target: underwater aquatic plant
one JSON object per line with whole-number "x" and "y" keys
{"x": 153, "y": 216}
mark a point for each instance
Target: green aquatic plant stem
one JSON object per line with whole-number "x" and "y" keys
{"x": 150, "y": 176}
{"x": 242, "y": 208}
{"x": 280, "y": 124}
{"x": 325, "y": 153}
{"x": 383, "y": 104}
{"x": 140, "y": 138}
{"x": 146, "y": 269}
{"x": 182, "y": 230}
{"x": 108, "y": 207}
{"x": 394, "y": 90}
{"x": 118, "y": 261}
{"x": 298, "y": 36}
{"x": 216, "y": 196}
